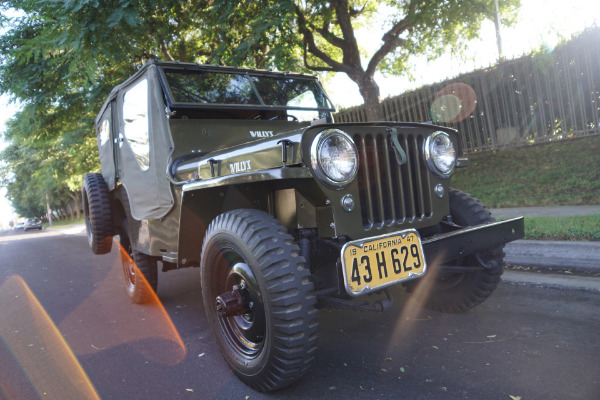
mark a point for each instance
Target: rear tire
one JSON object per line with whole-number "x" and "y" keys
{"x": 273, "y": 341}
{"x": 97, "y": 212}
{"x": 459, "y": 292}
{"x": 139, "y": 270}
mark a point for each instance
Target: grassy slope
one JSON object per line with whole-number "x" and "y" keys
{"x": 557, "y": 173}
{"x": 563, "y": 228}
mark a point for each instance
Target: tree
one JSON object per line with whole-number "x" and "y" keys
{"x": 21, "y": 190}
{"x": 61, "y": 58}
{"x": 259, "y": 34}
{"x": 328, "y": 40}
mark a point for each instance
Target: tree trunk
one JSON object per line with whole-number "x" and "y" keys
{"x": 369, "y": 91}
{"x": 48, "y": 210}
{"x": 76, "y": 205}
{"x": 70, "y": 210}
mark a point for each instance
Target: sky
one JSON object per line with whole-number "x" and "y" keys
{"x": 540, "y": 22}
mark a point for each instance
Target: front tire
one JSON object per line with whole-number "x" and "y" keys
{"x": 454, "y": 292}
{"x": 273, "y": 341}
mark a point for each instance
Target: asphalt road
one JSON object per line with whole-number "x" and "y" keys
{"x": 523, "y": 343}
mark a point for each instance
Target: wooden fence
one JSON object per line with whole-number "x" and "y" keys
{"x": 535, "y": 98}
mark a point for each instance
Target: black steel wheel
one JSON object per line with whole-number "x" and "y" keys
{"x": 97, "y": 213}
{"x": 454, "y": 292}
{"x": 139, "y": 270}
{"x": 258, "y": 299}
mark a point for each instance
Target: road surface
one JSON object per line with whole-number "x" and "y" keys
{"x": 524, "y": 343}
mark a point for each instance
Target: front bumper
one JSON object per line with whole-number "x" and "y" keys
{"x": 466, "y": 241}
{"x": 361, "y": 273}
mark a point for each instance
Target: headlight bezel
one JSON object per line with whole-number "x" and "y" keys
{"x": 430, "y": 157}
{"x": 315, "y": 156}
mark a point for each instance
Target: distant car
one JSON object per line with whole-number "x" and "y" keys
{"x": 31, "y": 223}
{"x": 18, "y": 225}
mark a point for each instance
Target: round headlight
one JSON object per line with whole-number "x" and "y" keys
{"x": 440, "y": 154}
{"x": 334, "y": 157}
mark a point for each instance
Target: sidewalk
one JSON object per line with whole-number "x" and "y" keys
{"x": 559, "y": 211}
{"x": 552, "y": 256}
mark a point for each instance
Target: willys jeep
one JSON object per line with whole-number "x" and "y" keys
{"x": 244, "y": 174}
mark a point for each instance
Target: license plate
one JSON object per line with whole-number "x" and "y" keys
{"x": 374, "y": 263}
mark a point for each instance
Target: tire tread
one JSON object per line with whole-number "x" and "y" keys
{"x": 468, "y": 211}
{"x": 98, "y": 211}
{"x": 288, "y": 291}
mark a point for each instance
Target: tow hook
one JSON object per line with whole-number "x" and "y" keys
{"x": 234, "y": 303}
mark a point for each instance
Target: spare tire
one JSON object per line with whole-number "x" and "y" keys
{"x": 97, "y": 212}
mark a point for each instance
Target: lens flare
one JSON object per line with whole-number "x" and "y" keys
{"x": 111, "y": 320}
{"x": 453, "y": 103}
{"x": 38, "y": 348}
{"x": 412, "y": 310}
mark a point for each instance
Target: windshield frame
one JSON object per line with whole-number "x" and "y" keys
{"x": 249, "y": 74}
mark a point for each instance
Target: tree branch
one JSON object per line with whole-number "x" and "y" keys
{"x": 165, "y": 51}
{"x": 311, "y": 46}
{"x": 391, "y": 39}
{"x": 328, "y": 35}
{"x": 350, "y": 48}
{"x": 356, "y": 12}
{"x": 314, "y": 68}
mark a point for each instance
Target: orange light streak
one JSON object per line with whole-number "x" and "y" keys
{"x": 38, "y": 347}
{"x": 107, "y": 319}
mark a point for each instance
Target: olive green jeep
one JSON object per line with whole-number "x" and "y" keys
{"x": 244, "y": 174}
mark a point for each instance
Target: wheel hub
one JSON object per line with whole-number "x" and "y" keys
{"x": 234, "y": 303}
{"x": 240, "y": 310}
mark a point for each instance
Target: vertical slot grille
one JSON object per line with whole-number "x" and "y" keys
{"x": 392, "y": 194}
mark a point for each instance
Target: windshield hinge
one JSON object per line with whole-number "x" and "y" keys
{"x": 284, "y": 145}
{"x": 170, "y": 114}
{"x": 212, "y": 162}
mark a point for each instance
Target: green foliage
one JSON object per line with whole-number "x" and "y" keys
{"x": 60, "y": 59}
{"x": 321, "y": 35}
{"x": 409, "y": 27}
{"x": 252, "y": 33}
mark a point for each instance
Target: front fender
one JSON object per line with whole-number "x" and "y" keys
{"x": 202, "y": 201}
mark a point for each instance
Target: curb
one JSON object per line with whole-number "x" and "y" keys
{"x": 551, "y": 281}
{"x": 577, "y": 256}
{"x": 556, "y": 211}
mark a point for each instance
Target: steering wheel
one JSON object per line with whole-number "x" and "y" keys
{"x": 284, "y": 115}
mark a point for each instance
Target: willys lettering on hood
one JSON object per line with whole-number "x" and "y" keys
{"x": 263, "y": 134}
{"x": 241, "y": 166}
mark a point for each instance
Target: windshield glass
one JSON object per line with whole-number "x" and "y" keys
{"x": 196, "y": 87}
{"x": 291, "y": 92}
{"x": 200, "y": 87}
